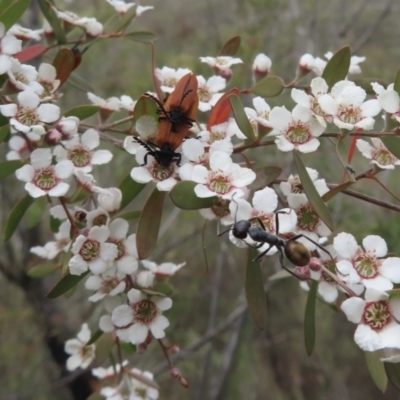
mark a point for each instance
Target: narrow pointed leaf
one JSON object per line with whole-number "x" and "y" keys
{"x": 231, "y": 47}
{"x": 42, "y": 270}
{"x": 241, "y": 117}
{"x": 333, "y": 192}
{"x": 13, "y": 13}
{"x": 255, "y": 294}
{"x": 131, "y": 215}
{"x": 265, "y": 176}
{"x": 164, "y": 288}
{"x": 393, "y": 144}
{"x": 130, "y": 189}
{"x": 95, "y": 396}
{"x": 309, "y": 318}
{"x": 270, "y": 86}
{"x": 16, "y": 215}
{"x": 184, "y": 197}
{"x": 141, "y": 36}
{"x": 220, "y": 112}
{"x": 313, "y": 197}
{"x": 393, "y": 373}
{"x": 35, "y": 212}
{"x": 376, "y": 370}
{"x": 95, "y": 337}
{"x": 352, "y": 148}
{"x": 9, "y": 167}
{"x": 66, "y": 283}
{"x": 29, "y": 53}
{"x": 126, "y": 19}
{"x": 4, "y": 133}
{"x": 64, "y": 63}
{"x": 397, "y": 82}
{"x": 281, "y": 274}
{"x": 79, "y": 83}
{"x": 82, "y": 112}
{"x": 4, "y": 4}
{"x": 337, "y": 67}
{"x": 53, "y": 20}
{"x": 54, "y": 224}
{"x": 104, "y": 346}
{"x": 149, "y": 224}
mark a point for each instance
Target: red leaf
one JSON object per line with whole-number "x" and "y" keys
{"x": 64, "y": 64}
{"x": 352, "y": 148}
{"x": 30, "y": 53}
{"x": 222, "y": 109}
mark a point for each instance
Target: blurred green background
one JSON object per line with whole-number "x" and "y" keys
{"x": 240, "y": 362}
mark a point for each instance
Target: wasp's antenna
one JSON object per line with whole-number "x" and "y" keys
{"x": 237, "y": 206}
{"x": 220, "y": 234}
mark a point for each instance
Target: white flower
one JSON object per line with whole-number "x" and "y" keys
{"x": 219, "y": 210}
{"x": 93, "y": 27}
{"x": 141, "y": 316}
{"x": 378, "y": 154}
{"x": 23, "y": 77}
{"x": 92, "y": 252}
{"x": 47, "y": 78}
{"x": 293, "y": 185}
{"x": 97, "y": 217}
{"x": 42, "y": 178}
{"x": 376, "y": 317}
{"x": 110, "y": 200}
{"x": 224, "y": 179}
{"x": 295, "y": 130}
{"x": 208, "y": 91}
{"x": 388, "y": 99}
{"x": 81, "y": 354}
{"x": 153, "y": 171}
{"x": 109, "y": 283}
{"x": 120, "y": 6}
{"x": 128, "y": 103}
{"x": 306, "y": 63}
{"x": 24, "y": 33}
{"x": 221, "y": 62}
{"x": 262, "y": 112}
{"x": 79, "y": 151}
{"x": 110, "y": 104}
{"x": 29, "y": 115}
{"x": 141, "y": 9}
{"x": 110, "y": 372}
{"x": 261, "y": 65}
{"x": 308, "y": 221}
{"x": 164, "y": 269}
{"x": 226, "y": 130}
{"x": 52, "y": 249}
{"x": 127, "y": 257}
{"x": 169, "y": 77}
{"x": 67, "y": 127}
{"x": 347, "y": 107}
{"x": 318, "y": 88}
{"x": 9, "y": 45}
{"x": 19, "y": 148}
{"x": 366, "y": 266}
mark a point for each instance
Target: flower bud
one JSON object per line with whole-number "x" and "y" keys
{"x": 302, "y": 272}
{"x": 305, "y": 65}
{"x": 174, "y": 349}
{"x": 110, "y": 200}
{"x": 141, "y": 348}
{"x": 145, "y": 279}
{"x": 315, "y": 264}
{"x": 175, "y": 373}
{"x": 183, "y": 382}
{"x": 53, "y": 137}
{"x": 261, "y": 66}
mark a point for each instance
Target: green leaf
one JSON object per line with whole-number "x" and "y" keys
{"x": 95, "y": 337}
{"x": 9, "y": 167}
{"x": 397, "y": 82}
{"x": 241, "y": 117}
{"x": 130, "y": 189}
{"x": 131, "y": 215}
{"x": 35, "y": 213}
{"x": 337, "y": 67}
{"x": 95, "y": 396}
{"x": 13, "y": 13}
{"x": 3, "y": 124}
{"x": 4, "y": 133}
{"x": 141, "y": 36}
{"x": 376, "y": 370}
{"x": 393, "y": 144}
{"x": 309, "y": 318}
{"x": 231, "y": 47}
{"x": 164, "y": 288}
{"x": 104, "y": 346}
{"x": 311, "y": 192}
{"x": 393, "y": 373}
{"x": 255, "y": 294}
{"x": 126, "y": 19}
{"x": 42, "y": 270}
{"x": 67, "y": 282}
{"x": 80, "y": 194}
{"x": 281, "y": 274}
{"x": 53, "y": 20}
{"x": 265, "y": 176}
{"x": 79, "y": 83}
{"x": 184, "y": 197}
{"x": 270, "y": 86}
{"x": 64, "y": 63}
{"x": 336, "y": 190}
{"x": 149, "y": 224}
{"x": 82, "y": 112}
{"x": 393, "y": 293}
{"x": 145, "y": 106}
{"x": 16, "y": 215}
{"x": 4, "y": 4}
{"x": 54, "y": 224}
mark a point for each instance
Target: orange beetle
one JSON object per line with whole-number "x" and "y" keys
{"x": 176, "y": 117}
